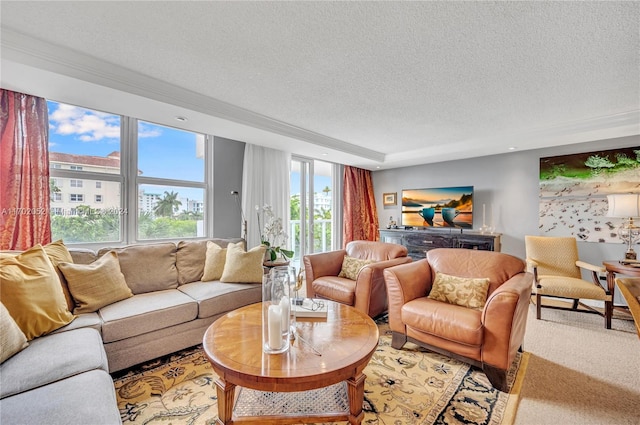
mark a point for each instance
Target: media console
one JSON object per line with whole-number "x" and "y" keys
{"x": 418, "y": 242}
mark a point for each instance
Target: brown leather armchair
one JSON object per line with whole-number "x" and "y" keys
{"x": 487, "y": 338}
{"x": 368, "y": 292}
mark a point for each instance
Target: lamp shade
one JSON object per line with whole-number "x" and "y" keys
{"x": 624, "y": 205}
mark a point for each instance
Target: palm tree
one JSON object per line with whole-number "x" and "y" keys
{"x": 167, "y": 205}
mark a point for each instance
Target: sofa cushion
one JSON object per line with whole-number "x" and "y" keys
{"x": 83, "y": 255}
{"x": 146, "y": 312}
{"x": 452, "y": 322}
{"x": 191, "y": 255}
{"x": 58, "y": 253}
{"x": 463, "y": 291}
{"x": 32, "y": 293}
{"x": 84, "y": 320}
{"x": 148, "y": 267}
{"x": 219, "y": 297}
{"x": 52, "y": 358}
{"x": 12, "y": 339}
{"x": 97, "y": 284}
{"x": 87, "y": 398}
{"x": 351, "y": 266}
{"x": 214, "y": 262}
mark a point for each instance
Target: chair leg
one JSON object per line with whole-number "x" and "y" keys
{"x": 398, "y": 340}
{"x": 608, "y": 314}
{"x": 497, "y": 377}
{"x": 538, "y": 306}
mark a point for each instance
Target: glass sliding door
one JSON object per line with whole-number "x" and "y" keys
{"x": 314, "y": 202}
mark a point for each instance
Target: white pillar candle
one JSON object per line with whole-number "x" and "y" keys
{"x": 275, "y": 327}
{"x": 284, "y": 305}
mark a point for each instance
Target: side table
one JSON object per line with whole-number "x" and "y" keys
{"x": 622, "y": 267}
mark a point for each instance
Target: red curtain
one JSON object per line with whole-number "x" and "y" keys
{"x": 360, "y": 214}
{"x": 24, "y": 171}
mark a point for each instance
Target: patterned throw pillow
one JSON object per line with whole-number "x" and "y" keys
{"x": 463, "y": 291}
{"x": 351, "y": 267}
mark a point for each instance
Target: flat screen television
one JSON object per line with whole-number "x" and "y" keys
{"x": 450, "y": 207}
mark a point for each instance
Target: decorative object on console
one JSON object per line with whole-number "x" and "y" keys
{"x": 438, "y": 207}
{"x": 627, "y": 206}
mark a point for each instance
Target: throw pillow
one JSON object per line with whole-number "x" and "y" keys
{"x": 462, "y": 291}
{"x": 241, "y": 266}
{"x": 96, "y": 285}
{"x": 351, "y": 266}
{"x": 12, "y": 339}
{"x": 58, "y": 253}
{"x": 31, "y": 292}
{"x": 214, "y": 261}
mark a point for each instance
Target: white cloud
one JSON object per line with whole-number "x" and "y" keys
{"x": 88, "y": 126}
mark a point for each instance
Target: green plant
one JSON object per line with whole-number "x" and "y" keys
{"x": 273, "y": 234}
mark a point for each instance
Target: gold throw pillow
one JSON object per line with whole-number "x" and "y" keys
{"x": 214, "y": 262}
{"x": 96, "y": 285}
{"x": 32, "y": 293}
{"x": 12, "y": 339}
{"x": 351, "y": 266}
{"x": 241, "y": 266}
{"x": 58, "y": 253}
{"x": 462, "y": 291}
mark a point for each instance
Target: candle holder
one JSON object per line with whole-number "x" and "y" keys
{"x": 276, "y": 309}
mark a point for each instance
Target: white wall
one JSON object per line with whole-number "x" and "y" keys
{"x": 508, "y": 183}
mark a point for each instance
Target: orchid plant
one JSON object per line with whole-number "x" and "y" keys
{"x": 272, "y": 235}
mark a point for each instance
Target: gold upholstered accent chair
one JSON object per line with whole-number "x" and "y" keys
{"x": 630, "y": 290}
{"x": 486, "y": 334}
{"x": 363, "y": 286}
{"x": 557, "y": 272}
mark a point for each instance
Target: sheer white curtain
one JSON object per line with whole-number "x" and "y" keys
{"x": 265, "y": 181}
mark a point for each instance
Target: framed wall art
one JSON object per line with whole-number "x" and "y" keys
{"x": 574, "y": 189}
{"x": 390, "y": 198}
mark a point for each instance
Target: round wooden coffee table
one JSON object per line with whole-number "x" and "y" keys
{"x": 346, "y": 340}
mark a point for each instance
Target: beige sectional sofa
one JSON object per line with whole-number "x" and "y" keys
{"x": 62, "y": 377}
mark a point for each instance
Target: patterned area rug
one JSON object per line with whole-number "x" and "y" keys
{"x": 408, "y": 386}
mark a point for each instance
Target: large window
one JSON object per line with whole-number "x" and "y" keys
{"x": 112, "y": 184}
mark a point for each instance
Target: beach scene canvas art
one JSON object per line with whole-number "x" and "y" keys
{"x": 438, "y": 207}
{"x": 574, "y": 189}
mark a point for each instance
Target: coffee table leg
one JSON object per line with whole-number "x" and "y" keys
{"x": 226, "y": 393}
{"x": 355, "y": 392}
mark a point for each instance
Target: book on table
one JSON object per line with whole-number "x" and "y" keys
{"x": 311, "y": 308}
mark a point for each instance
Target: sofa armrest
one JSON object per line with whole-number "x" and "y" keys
{"x": 322, "y": 264}
{"x": 370, "y": 281}
{"x": 404, "y": 283}
{"x": 504, "y": 319}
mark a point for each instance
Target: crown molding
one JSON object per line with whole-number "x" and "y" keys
{"x": 30, "y": 51}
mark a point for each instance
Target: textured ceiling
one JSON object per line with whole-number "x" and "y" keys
{"x": 371, "y": 84}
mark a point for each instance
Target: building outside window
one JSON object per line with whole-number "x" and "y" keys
{"x": 98, "y": 198}
{"x": 98, "y": 185}
{"x": 56, "y": 197}
{"x": 75, "y": 183}
{"x": 76, "y": 197}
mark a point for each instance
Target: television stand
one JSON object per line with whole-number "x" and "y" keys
{"x": 418, "y": 242}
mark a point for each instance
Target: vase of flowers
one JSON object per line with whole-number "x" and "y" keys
{"x": 273, "y": 236}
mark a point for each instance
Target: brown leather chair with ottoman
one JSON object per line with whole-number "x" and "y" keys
{"x": 467, "y": 304}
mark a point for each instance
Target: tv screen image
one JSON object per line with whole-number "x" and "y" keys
{"x": 438, "y": 207}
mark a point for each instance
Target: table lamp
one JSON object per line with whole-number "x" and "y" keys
{"x": 627, "y": 206}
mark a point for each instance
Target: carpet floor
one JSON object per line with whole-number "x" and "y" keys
{"x": 408, "y": 386}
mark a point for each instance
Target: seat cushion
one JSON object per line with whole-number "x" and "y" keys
{"x": 569, "y": 287}
{"x": 452, "y": 322}
{"x": 220, "y": 297}
{"x": 52, "y": 358}
{"x": 87, "y": 398}
{"x": 144, "y": 313}
{"x": 335, "y": 288}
